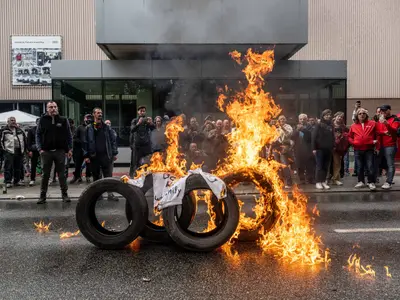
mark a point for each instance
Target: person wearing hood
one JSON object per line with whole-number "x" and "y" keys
{"x": 322, "y": 143}
{"x": 363, "y": 135}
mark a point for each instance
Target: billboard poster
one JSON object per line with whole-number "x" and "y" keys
{"x": 31, "y": 58}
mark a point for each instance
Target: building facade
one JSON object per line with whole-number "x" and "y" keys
{"x": 119, "y": 54}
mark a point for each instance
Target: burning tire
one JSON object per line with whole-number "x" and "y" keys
{"x": 207, "y": 241}
{"x": 269, "y": 220}
{"x": 90, "y": 227}
{"x": 156, "y": 233}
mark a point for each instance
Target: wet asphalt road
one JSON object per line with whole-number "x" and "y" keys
{"x": 41, "y": 266}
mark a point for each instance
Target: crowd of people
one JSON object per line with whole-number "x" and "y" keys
{"x": 315, "y": 150}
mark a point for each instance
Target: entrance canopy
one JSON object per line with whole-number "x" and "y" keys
{"x": 21, "y": 117}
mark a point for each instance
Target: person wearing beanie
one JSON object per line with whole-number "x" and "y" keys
{"x": 363, "y": 135}
{"x": 322, "y": 142}
{"x": 388, "y": 127}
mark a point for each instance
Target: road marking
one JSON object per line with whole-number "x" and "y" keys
{"x": 355, "y": 230}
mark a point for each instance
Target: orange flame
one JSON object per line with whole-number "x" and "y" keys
{"x": 103, "y": 224}
{"x": 387, "y": 272}
{"x": 135, "y": 245}
{"x": 67, "y": 235}
{"x": 292, "y": 238}
{"x": 41, "y": 227}
{"x": 354, "y": 264}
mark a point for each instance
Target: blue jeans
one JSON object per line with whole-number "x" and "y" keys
{"x": 346, "y": 162}
{"x": 389, "y": 153}
{"x": 365, "y": 160}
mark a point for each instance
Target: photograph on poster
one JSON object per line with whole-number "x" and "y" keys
{"x": 31, "y": 58}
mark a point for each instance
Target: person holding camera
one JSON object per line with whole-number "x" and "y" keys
{"x": 388, "y": 127}
{"x": 141, "y": 128}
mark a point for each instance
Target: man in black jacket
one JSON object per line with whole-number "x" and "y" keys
{"x": 78, "y": 145}
{"x": 322, "y": 142}
{"x": 140, "y": 138}
{"x": 33, "y": 152}
{"x": 54, "y": 143}
{"x": 100, "y": 148}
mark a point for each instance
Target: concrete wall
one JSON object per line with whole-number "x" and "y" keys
{"x": 366, "y": 33}
{"x": 201, "y": 21}
{"x": 74, "y": 20}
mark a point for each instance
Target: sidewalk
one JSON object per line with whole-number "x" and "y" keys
{"x": 32, "y": 193}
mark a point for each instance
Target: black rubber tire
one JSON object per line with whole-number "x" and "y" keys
{"x": 270, "y": 220}
{"x": 159, "y": 234}
{"x": 208, "y": 241}
{"x": 90, "y": 227}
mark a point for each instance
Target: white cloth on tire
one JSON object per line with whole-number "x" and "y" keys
{"x": 169, "y": 192}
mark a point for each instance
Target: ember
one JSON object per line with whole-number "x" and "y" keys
{"x": 41, "y": 227}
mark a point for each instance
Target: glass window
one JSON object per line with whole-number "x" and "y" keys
{"x": 31, "y": 108}
{"x": 122, "y": 97}
{"x": 4, "y": 107}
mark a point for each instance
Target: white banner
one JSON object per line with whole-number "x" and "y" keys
{"x": 31, "y": 58}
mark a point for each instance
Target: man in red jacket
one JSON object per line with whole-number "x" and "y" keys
{"x": 363, "y": 136}
{"x": 387, "y": 129}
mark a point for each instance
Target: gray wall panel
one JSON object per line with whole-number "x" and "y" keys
{"x": 205, "y": 21}
{"x": 176, "y": 68}
{"x": 126, "y": 69}
{"x": 221, "y": 69}
{"x": 76, "y": 69}
{"x": 323, "y": 69}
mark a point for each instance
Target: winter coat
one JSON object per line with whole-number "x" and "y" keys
{"x": 322, "y": 137}
{"x": 31, "y": 143}
{"x": 363, "y": 138}
{"x": 89, "y": 148}
{"x": 8, "y": 141}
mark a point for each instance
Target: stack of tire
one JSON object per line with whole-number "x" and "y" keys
{"x": 176, "y": 221}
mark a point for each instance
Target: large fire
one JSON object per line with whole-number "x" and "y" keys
{"x": 292, "y": 238}
{"x": 251, "y": 110}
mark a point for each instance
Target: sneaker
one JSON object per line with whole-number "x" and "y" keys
{"x": 8, "y": 185}
{"x": 65, "y": 197}
{"x": 337, "y": 182}
{"x": 32, "y": 183}
{"x": 372, "y": 186}
{"x": 42, "y": 199}
{"x": 75, "y": 179}
{"x": 319, "y": 186}
{"x": 386, "y": 186}
{"x": 359, "y": 185}
{"x": 325, "y": 186}
{"x": 20, "y": 183}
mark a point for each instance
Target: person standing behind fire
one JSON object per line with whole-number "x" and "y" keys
{"x": 78, "y": 144}
{"x": 303, "y": 152}
{"x": 13, "y": 142}
{"x": 141, "y": 128}
{"x": 281, "y": 149}
{"x": 322, "y": 142}
{"x": 217, "y": 145}
{"x": 158, "y": 141}
{"x": 388, "y": 127}
{"x": 54, "y": 143}
{"x": 100, "y": 148}
{"x": 33, "y": 152}
{"x": 363, "y": 136}
{"x": 341, "y": 145}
